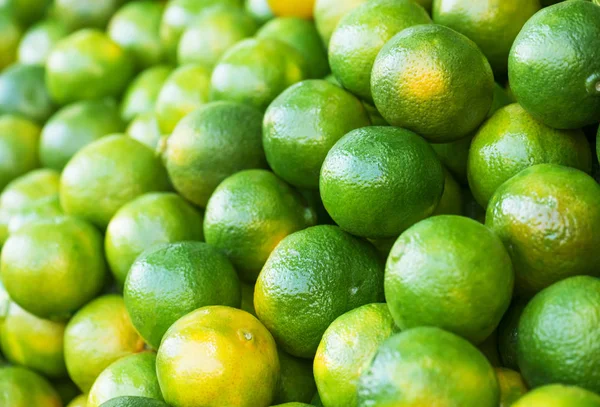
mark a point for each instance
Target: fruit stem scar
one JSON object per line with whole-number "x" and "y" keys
{"x": 593, "y": 84}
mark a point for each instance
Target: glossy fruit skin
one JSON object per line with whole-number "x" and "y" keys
{"x": 301, "y": 35}
{"x": 492, "y": 24}
{"x": 20, "y": 387}
{"x": 362, "y": 33}
{"x": 433, "y": 81}
{"x": 428, "y": 358}
{"x": 547, "y": 217}
{"x": 86, "y": 13}
{"x": 382, "y": 162}
{"x": 512, "y": 140}
{"x": 144, "y": 128}
{"x": 141, "y": 94}
{"x": 346, "y": 350}
{"x": 185, "y": 90}
{"x": 295, "y": 8}
{"x": 38, "y": 41}
{"x": 87, "y": 65}
{"x": 445, "y": 253}
{"x": 27, "y": 260}
{"x": 511, "y": 385}
{"x": 208, "y": 145}
{"x": 249, "y": 213}
{"x": 259, "y": 10}
{"x": 559, "y": 340}
{"x": 102, "y": 177}
{"x": 133, "y": 401}
{"x": 19, "y": 139}
{"x": 135, "y": 27}
{"x": 170, "y": 280}
{"x": 75, "y": 126}
{"x": 11, "y": 35}
{"x": 256, "y": 71}
{"x": 296, "y": 381}
{"x": 328, "y": 14}
{"x": 214, "y": 377}
{"x": 215, "y": 31}
{"x": 133, "y": 375}
{"x": 312, "y": 270}
{"x": 151, "y": 219}
{"x": 30, "y": 187}
{"x": 558, "y": 395}
{"x": 303, "y": 124}
{"x": 552, "y": 76}
{"x": 23, "y": 92}
{"x": 508, "y": 335}
{"x": 97, "y": 335}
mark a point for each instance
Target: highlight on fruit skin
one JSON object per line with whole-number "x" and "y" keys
{"x": 292, "y": 8}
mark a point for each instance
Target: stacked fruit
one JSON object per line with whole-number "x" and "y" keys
{"x": 347, "y": 203}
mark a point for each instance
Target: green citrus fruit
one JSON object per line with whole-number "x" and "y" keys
{"x": 512, "y": 140}
{"x": 493, "y": 25}
{"x": 557, "y": 395}
{"x": 20, "y": 387}
{"x": 553, "y": 67}
{"x": 511, "y": 385}
{"x": 28, "y": 188}
{"x": 303, "y": 123}
{"x": 559, "y": 336}
{"x": 508, "y": 336}
{"x": 10, "y": 34}
{"x": 234, "y": 363}
{"x": 133, "y": 401}
{"x": 142, "y": 93}
{"x": 247, "y": 303}
{"x": 210, "y": 144}
{"x": 97, "y": 335}
{"x": 248, "y": 215}
{"x": 144, "y": 128}
{"x": 133, "y": 375}
{"x": 151, "y": 219}
{"x": 328, "y": 14}
{"x": 135, "y": 27}
{"x": 107, "y": 174}
{"x": 87, "y": 65}
{"x": 75, "y": 126}
{"x": 86, "y": 13}
{"x": 256, "y": 71}
{"x": 184, "y": 91}
{"x": 215, "y": 31}
{"x": 19, "y": 139}
{"x": 296, "y": 381}
{"x": 39, "y": 40}
{"x": 46, "y": 208}
{"x": 32, "y": 342}
{"x": 428, "y": 366}
{"x": 29, "y": 266}
{"x": 25, "y": 11}
{"x": 23, "y": 92}
{"x": 451, "y": 272}
{"x": 322, "y": 271}
{"x": 434, "y": 81}
{"x": 548, "y": 216}
{"x": 197, "y": 275}
{"x": 301, "y": 35}
{"x": 394, "y": 165}
{"x": 79, "y": 401}
{"x": 259, "y": 10}
{"x": 346, "y": 350}
{"x": 362, "y": 33}
{"x": 451, "y": 202}
{"x": 179, "y": 15}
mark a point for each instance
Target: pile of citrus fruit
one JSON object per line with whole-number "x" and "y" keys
{"x": 338, "y": 203}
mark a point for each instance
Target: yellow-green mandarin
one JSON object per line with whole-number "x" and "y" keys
{"x": 10, "y": 32}
{"x": 41, "y": 209}
{"x": 296, "y": 381}
{"x": 133, "y": 375}
{"x": 53, "y": 281}
{"x": 97, "y": 335}
{"x": 512, "y": 386}
{"x": 142, "y": 93}
{"x": 20, "y": 387}
{"x": 79, "y": 401}
{"x": 30, "y": 187}
{"x": 433, "y": 81}
{"x": 427, "y": 366}
{"x": 19, "y": 140}
{"x": 362, "y": 33}
{"x": 559, "y": 336}
{"x": 328, "y": 14}
{"x": 107, "y": 174}
{"x": 217, "y": 356}
{"x": 170, "y": 280}
{"x": 512, "y": 140}
{"x": 558, "y": 395}
{"x": 492, "y": 24}
{"x": 39, "y": 39}
{"x": 548, "y": 216}
{"x": 302, "y": 125}
{"x": 451, "y": 272}
{"x": 346, "y": 350}
{"x": 151, "y": 219}
{"x": 184, "y": 91}
{"x": 249, "y": 214}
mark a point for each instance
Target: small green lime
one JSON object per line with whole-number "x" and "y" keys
{"x": 86, "y": 13}
{"x": 19, "y": 140}
{"x": 20, "y": 387}
{"x": 25, "y": 11}
{"x": 10, "y": 34}
{"x": 508, "y": 336}
{"x": 133, "y": 401}
{"x": 144, "y": 128}
{"x": 512, "y": 386}
{"x": 328, "y": 14}
{"x": 296, "y": 382}
{"x": 259, "y": 10}
{"x": 39, "y": 40}
{"x": 558, "y": 395}
{"x": 23, "y": 92}
{"x": 142, "y": 93}
{"x": 451, "y": 202}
